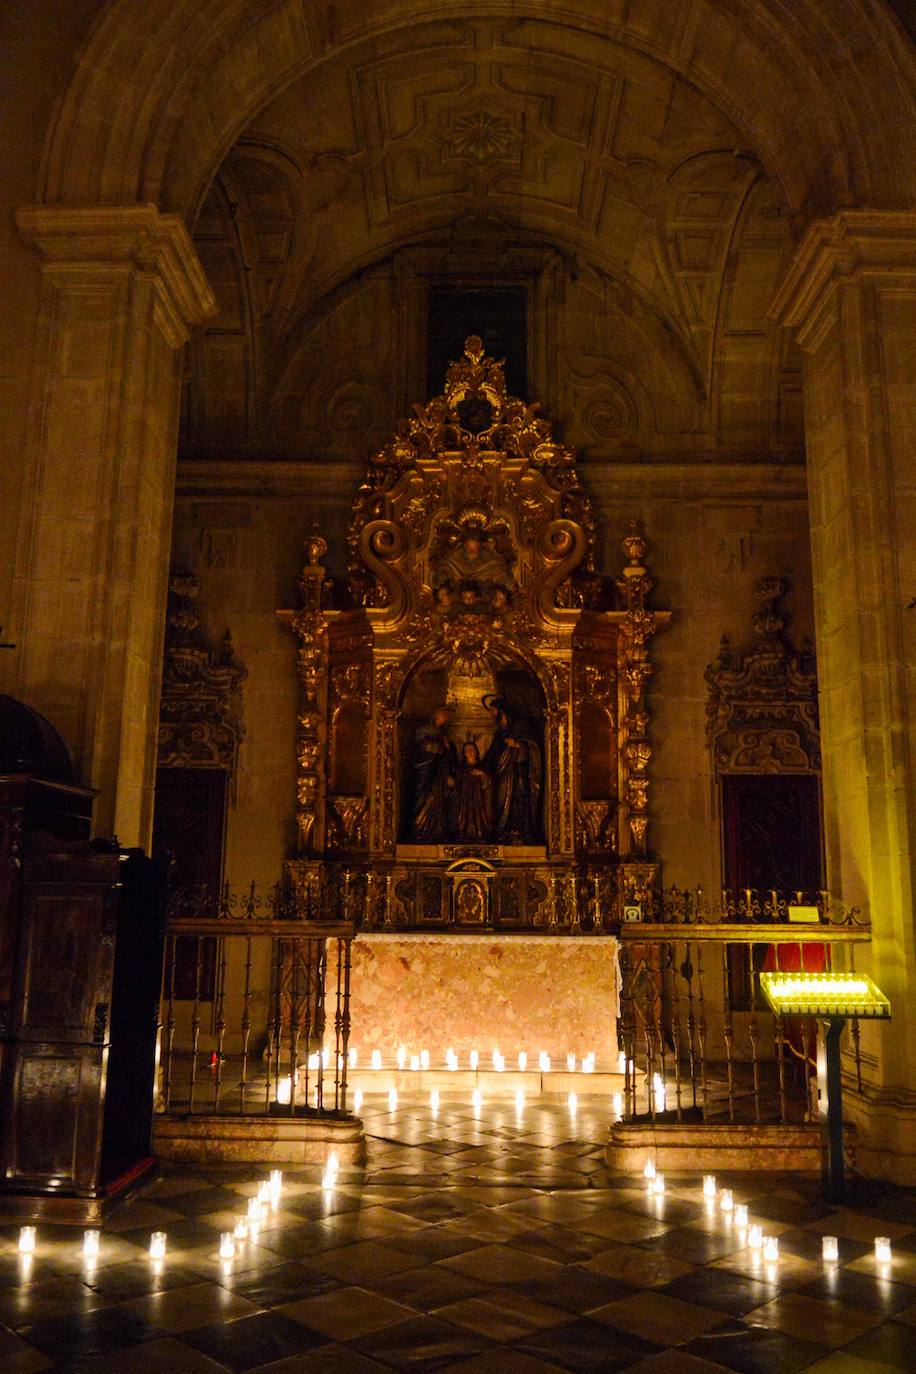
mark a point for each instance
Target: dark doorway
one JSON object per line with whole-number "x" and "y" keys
{"x": 771, "y": 839}
{"x": 189, "y": 822}
{"x": 498, "y": 314}
{"x": 771, "y": 830}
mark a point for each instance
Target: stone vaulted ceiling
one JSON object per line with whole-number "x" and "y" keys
{"x": 495, "y": 150}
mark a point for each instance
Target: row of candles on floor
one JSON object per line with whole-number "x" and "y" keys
{"x": 435, "y": 1101}
{"x": 421, "y": 1061}
{"x": 269, "y": 1191}
{"x": 266, "y": 1199}
{"x": 723, "y": 1199}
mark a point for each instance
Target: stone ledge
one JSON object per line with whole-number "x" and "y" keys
{"x": 201, "y": 1139}
{"x": 708, "y": 1148}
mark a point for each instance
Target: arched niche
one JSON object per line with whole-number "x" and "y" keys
{"x": 472, "y": 751}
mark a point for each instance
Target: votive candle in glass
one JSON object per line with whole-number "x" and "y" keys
{"x": 771, "y": 1249}
{"x": 755, "y": 1237}
{"x": 882, "y": 1249}
{"x": 241, "y": 1228}
{"x": 522, "y": 1060}
{"x": 434, "y": 1099}
{"x": 726, "y": 1200}
{"x": 476, "y": 1099}
{"x": 474, "y": 1059}
{"x": 830, "y": 1249}
{"x": 519, "y": 1100}
{"x": 741, "y": 1216}
{"x": 157, "y": 1245}
{"x": 376, "y": 1059}
{"x": 91, "y": 1245}
{"x": 658, "y": 1185}
{"x": 254, "y": 1210}
{"x": 357, "y": 1099}
{"x": 392, "y": 1099}
{"x": 27, "y": 1240}
{"x": 709, "y": 1185}
{"x": 572, "y": 1102}
{"x": 227, "y": 1245}
{"x": 649, "y": 1169}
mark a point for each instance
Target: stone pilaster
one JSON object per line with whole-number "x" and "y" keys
{"x": 121, "y": 286}
{"x": 851, "y": 296}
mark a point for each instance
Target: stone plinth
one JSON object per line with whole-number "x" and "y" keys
{"x": 707, "y": 1149}
{"x": 204, "y": 1139}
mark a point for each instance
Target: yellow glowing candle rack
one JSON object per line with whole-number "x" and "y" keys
{"x": 824, "y": 994}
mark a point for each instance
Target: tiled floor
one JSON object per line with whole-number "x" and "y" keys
{"x": 470, "y": 1242}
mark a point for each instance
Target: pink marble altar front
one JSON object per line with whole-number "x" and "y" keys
{"x": 483, "y": 992}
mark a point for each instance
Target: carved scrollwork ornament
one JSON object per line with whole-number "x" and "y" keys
{"x": 761, "y": 706}
{"x": 201, "y": 709}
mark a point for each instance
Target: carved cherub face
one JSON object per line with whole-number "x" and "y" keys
{"x": 500, "y": 598}
{"x": 472, "y": 547}
{"x": 443, "y": 595}
{"x": 471, "y": 754}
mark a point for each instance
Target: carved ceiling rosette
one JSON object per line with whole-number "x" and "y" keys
{"x": 200, "y": 712}
{"x": 761, "y": 707}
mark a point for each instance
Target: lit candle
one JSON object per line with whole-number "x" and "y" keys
{"x": 882, "y": 1249}
{"x": 474, "y": 1059}
{"x": 27, "y": 1240}
{"x": 434, "y": 1099}
{"x": 227, "y": 1245}
{"x": 276, "y": 1185}
{"x": 658, "y": 1185}
{"x": 571, "y": 1063}
{"x": 476, "y": 1099}
{"x": 414, "y": 1063}
{"x": 741, "y": 1216}
{"x": 254, "y": 1210}
{"x": 649, "y": 1169}
{"x": 328, "y": 1181}
{"x": 727, "y": 1200}
{"x": 285, "y": 1091}
{"x": 263, "y": 1190}
{"x": 588, "y": 1064}
{"x": 495, "y": 1057}
{"x": 755, "y": 1237}
{"x": 830, "y": 1249}
{"x": 572, "y": 1102}
{"x": 500, "y": 1063}
{"x": 357, "y": 1099}
{"x": 353, "y": 1058}
{"x": 392, "y": 1099}
{"x": 376, "y": 1059}
{"x": 522, "y": 1060}
{"x": 621, "y": 1062}
{"x": 91, "y": 1245}
{"x": 334, "y": 1162}
{"x": 771, "y": 1249}
{"x": 157, "y": 1245}
{"x": 709, "y": 1185}
{"x": 449, "y": 1055}
{"x": 241, "y": 1229}
{"x": 618, "y": 1105}
{"x": 519, "y": 1100}
{"x": 544, "y": 1061}
{"x": 402, "y": 1056}
{"x": 424, "y": 1059}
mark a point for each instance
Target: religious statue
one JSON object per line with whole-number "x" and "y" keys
{"x": 514, "y": 762}
{"x": 474, "y": 797}
{"x": 434, "y": 770}
{"x": 472, "y": 562}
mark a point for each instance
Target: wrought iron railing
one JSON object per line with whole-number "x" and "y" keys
{"x": 274, "y": 1036}
{"x": 698, "y": 1043}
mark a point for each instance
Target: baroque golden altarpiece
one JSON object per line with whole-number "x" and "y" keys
{"x": 473, "y": 734}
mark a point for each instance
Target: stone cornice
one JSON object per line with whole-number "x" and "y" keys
{"x": 681, "y": 480}
{"x": 79, "y": 241}
{"x": 854, "y": 243}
